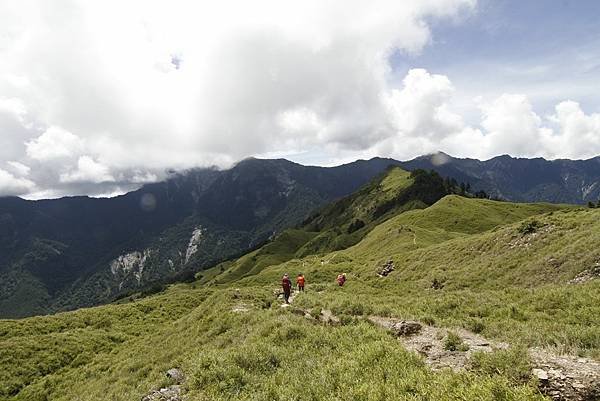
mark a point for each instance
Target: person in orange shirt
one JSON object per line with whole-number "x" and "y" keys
{"x": 300, "y": 282}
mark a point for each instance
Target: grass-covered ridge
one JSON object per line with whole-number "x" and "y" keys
{"x": 502, "y": 269}
{"x": 343, "y": 223}
{"x": 509, "y": 284}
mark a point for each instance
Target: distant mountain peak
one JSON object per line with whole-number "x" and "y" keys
{"x": 437, "y": 158}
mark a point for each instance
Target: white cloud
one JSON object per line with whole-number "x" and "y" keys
{"x": 420, "y": 108}
{"x": 13, "y": 186}
{"x": 424, "y": 123}
{"x": 116, "y": 92}
{"x": 54, "y": 143}
{"x": 140, "y": 177}
{"x": 512, "y": 126}
{"x": 13, "y": 106}
{"x": 145, "y": 85}
{"x": 14, "y": 126}
{"x": 87, "y": 170}
{"x": 579, "y": 133}
{"x": 18, "y": 168}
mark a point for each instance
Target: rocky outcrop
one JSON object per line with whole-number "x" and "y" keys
{"x": 176, "y": 375}
{"x": 587, "y": 275}
{"x": 132, "y": 263}
{"x": 587, "y": 190}
{"x": 195, "y": 240}
{"x": 328, "y": 317}
{"x": 430, "y": 341}
{"x": 171, "y": 393}
{"x": 406, "y": 328}
{"x": 386, "y": 269}
{"x": 560, "y": 377}
{"x": 565, "y": 378}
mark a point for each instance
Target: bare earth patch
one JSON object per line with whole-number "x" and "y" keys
{"x": 430, "y": 341}
{"x": 559, "y": 377}
{"x": 172, "y": 393}
{"x": 587, "y": 275}
{"x": 566, "y": 377}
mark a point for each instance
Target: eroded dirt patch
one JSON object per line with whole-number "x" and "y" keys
{"x": 564, "y": 377}
{"x": 560, "y": 377}
{"x": 430, "y": 342}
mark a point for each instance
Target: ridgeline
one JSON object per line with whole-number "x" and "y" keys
{"x": 521, "y": 278}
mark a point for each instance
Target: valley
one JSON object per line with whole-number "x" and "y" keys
{"x": 73, "y": 252}
{"x": 520, "y": 276}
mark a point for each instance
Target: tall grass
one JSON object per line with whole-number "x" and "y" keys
{"x": 492, "y": 278}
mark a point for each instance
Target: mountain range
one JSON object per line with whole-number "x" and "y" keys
{"x": 447, "y": 297}
{"x": 78, "y": 251}
{"x": 519, "y": 179}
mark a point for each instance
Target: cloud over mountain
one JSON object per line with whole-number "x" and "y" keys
{"x": 146, "y": 86}
{"x": 99, "y": 97}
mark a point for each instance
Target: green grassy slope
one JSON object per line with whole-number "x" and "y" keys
{"x": 263, "y": 354}
{"x": 451, "y": 217}
{"x": 506, "y": 283}
{"x": 283, "y": 248}
{"x": 343, "y": 223}
{"x": 504, "y": 269}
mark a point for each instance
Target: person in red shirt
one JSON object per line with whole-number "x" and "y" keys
{"x": 341, "y": 279}
{"x": 286, "y": 284}
{"x": 300, "y": 282}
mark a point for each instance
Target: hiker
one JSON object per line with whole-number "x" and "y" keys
{"x": 341, "y": 279}
{"x": 286, "y": 284}
{"x": 300, "y": 282}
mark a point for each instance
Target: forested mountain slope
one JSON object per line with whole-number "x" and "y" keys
{"x": 72, "y": 252}
{"x": 521, "y": 179}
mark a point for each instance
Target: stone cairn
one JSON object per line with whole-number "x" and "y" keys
{"x": 386, "y": 269}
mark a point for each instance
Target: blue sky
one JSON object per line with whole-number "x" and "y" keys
{"x": 546, "y": 49}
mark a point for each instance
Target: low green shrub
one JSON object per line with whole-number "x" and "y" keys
{"x": 530, "y": 226}
{"x": 453, "y": 342}
{"x": 512, "y": 363}
{"x": 475, "y": 325}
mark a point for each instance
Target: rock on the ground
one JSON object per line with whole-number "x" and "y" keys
{"x": 176, "y": 375}
{"x": 396, "y": 326}
{"x": 587, "y": 275}
{"x": 406, "y": 328}
{"x": 560, "y": 377}
{"x": 566, "y": 377}
{"x": 328, "y": 317}
{"x": 428, "y": 342}
{"x": 172, "y": 393}
{"x": 386, "y": 269}
{"x": 541, "y": 374}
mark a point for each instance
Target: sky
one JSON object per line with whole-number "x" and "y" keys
{"x": 98, "y": 98}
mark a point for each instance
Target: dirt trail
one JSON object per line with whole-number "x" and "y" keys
{"x": 429, "y": 342}
{"x": 565, "y": 377}
{"x": 560, "y": 377}
{"x": 290, "y": 299}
